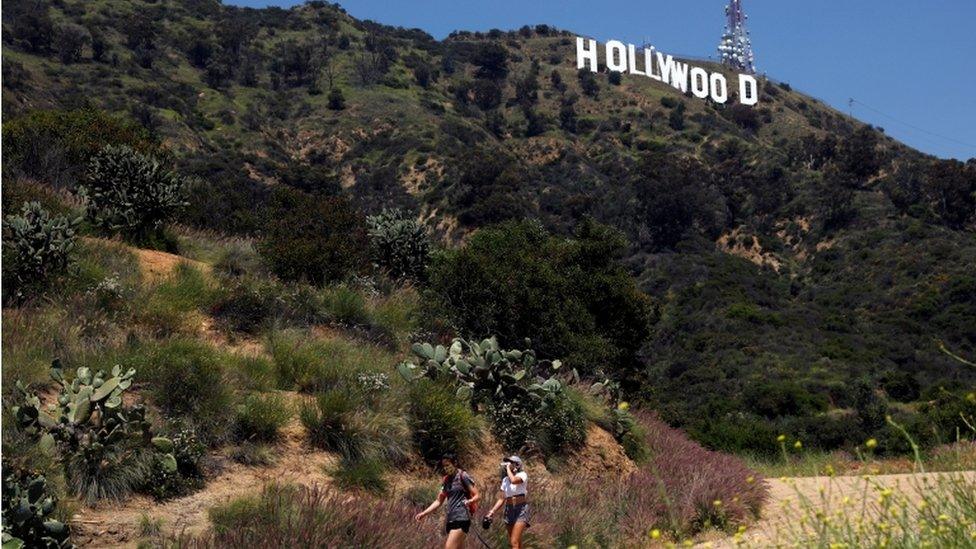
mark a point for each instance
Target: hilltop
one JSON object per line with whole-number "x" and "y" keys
{"x": 802, "y": 268}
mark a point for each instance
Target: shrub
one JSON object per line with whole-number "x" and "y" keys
{"x": 252, "y": 304}
{"x": 55, "y": 146}
{"x": 568, "y": 295}
{"x": 329, "y": 422}
{"x": 104, "y": 445}
{"x": 439, "y": 422}
{"x": 187, "y": 381}
{"x": 36, "y": 248}
{"x": 28, "y": 506}
{"x": 260, "y": 417}
{"x": 337, "y": 101}
{"x": 131, "y": 193}
{"x": 317, "y": 239}
{"x": 345, "y": 305}
{"x": 399, "y": 244}
{"x": 252, "y": 372}
{"x": 254, "y": 454}
{"x": 164, "y": 481}
{"x": 299, "y": 516}
{"x": 168, "y": 306}
{"x": 365, "y": 474}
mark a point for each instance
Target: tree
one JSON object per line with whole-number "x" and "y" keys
{"x": 568, "y": 295}
{"x": 588, "y": 83}
{"x": 421, "y": 73}
{"x": 313, "y": 238}
{"x": 491, "y": 58}
{"x": 487, "y": 94}
{"x": 71, "y": 40}
{"x": 32, "y": 24}
{"x": 676, "y": 120}
{"x": 614, "y": 78}
{"x": 131, "y": 193}
{"x": 337, "y": 101}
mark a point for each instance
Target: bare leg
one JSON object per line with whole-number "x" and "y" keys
{"x": 455, "y": 539}
{"x": 515, "y": 534}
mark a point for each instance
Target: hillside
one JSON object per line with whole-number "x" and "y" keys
{"x": 802, "y": 269}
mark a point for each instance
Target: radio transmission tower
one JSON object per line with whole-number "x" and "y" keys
{"x": 735, "y": 49}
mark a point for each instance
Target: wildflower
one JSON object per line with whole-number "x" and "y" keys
{"x": 623, "y": 406}
{"x": 944, "y": 517}
{"x": 750, "y": 479}
{"x": 971, "y": 397}
{"x": 829, "y": 469}
{"x": 781, "y": 438}
{"x": 688, "y": 543}
{"x": 798, "y": 445}
{"x": 655, "y": 534}
{"x": 871, "y": 444}
{"x": 742, "y": 529}
{"x": 717, "y": 503}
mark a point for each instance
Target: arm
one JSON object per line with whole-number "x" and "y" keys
{"x": 430, "y": 508}
{"x": 512, "y": 477}
{"x": 475, "y": 495}
{"x": 498, "y": 504}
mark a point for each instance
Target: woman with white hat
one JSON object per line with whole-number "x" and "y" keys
{"x": 512, "y": 494}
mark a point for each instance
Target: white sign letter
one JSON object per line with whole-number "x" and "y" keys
{"x": 719, "y": 87}
{"x": 748, "y": 90}
{"x": 616, "y": 51}
{"x": 699, "y": 82}
{"x": 632, "y": 55}
{"x": 583, "y": 54}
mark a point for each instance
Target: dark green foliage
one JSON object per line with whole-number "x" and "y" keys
{"x": 588, "y": 83}
{"x": 400, "y": 245}
{"x": 37, "y": 248}
{"x": 105, "y": 446}
{"x": 491, "y": 60}
{"x": 260, "y": 417}
{"x": 614, "y": 78}
{"x": 329, "y": 422}
{"x": 676, "y": 120}
{"x": 363, "y": 474}
{"x": 337, "y": 101}
{"x": 440, "y": 423}
{"x": 317, "y": 239}
{"x": 70, "y": 40}
{"x": 556, "y": 428}
{"x": 187, "y": 382}
{"x": 55, "y": 146}
{"x": 568, "y": 296}
{"x": 164, "y": 482}
{"x": 28, "y": 506}
{"x": 131, "y": 193}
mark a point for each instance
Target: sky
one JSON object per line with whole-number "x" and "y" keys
{"x": 910, "y": 66}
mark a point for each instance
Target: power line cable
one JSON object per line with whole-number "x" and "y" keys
{"x": 869, "y": 107}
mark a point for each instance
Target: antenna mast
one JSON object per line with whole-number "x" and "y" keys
{"x": 735, "y": 49}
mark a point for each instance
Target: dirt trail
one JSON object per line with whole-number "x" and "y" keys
{"x": 154, "y": 264}
{"x": 793, "y": 498}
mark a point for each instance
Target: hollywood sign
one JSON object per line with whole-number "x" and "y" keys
{"x": 664, "y": 68}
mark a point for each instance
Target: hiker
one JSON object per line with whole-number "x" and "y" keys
{"x": 512, "y": 494}
{"x": 461, "y": 494}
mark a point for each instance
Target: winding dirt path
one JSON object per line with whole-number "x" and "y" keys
{"x": 793, "y": 498}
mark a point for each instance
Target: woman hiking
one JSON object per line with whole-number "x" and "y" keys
{"x": 512, "y": 494}
{"x": 461, "y": 494}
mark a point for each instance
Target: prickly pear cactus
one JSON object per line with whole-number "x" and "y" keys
{"x": 36, "y": 247}
{"x": 90, "y": 427}
{"x": 483, "y": 370}
{"x": 27, "y": 510}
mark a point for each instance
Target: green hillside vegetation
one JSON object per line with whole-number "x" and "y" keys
{"x": 744, "y": 272}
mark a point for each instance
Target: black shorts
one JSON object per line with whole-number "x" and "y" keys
{"x": 458, "y": 525}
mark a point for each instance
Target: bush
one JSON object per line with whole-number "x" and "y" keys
{"x": 36, "y": 249}
{"x": 316, "y": 239}
{"x": 568, "y": 295}
{"x": 130, "y": 193}
{"x": 329, "y": 422}
{"x": 260, "y": 417}
{"x": 399, "y": 244}
{"x": 164, "y": 482}
{"x": 252, "y": 304}
{"x": 554, "y": 428}
{"x": 169, "y": 306}
{"x": 187, "y": 381}
{"x": 345, "y": 305}
{"x": 104, "y": 445}
{"x": 337, "y": 101}
{"x": 365, "y": 474}
{"x": 299, "y": 516}
{"x": 439, "y": 422}
{"x": 55, "y": 146}
{"x": 28, "y": 506}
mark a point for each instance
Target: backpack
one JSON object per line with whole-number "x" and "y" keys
{"x": 473, "y": 506}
